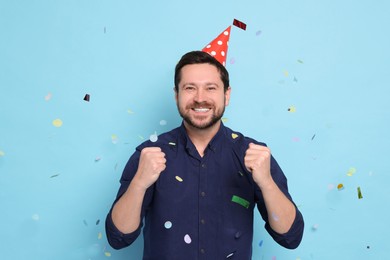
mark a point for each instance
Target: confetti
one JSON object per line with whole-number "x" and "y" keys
{"x": 313, "y": 137}
{"x": 340, "y": 186}
{"x": 300, "y": 61}
{"x": 234, "y": 136}
{"x": 104, "y": 29}
{"x": 129, "y": 111}
{"x": 239, "y": 24}
{"x": 292, "y": 109}
{"x": 163, "y": 122}
{"x": 229, "y": 255}
{"x": 258, "y": 33}
{"x": 285, "y": 73}
{"x": 179, "y": 179}
{"x": 351, "y": 171}
{"x": 314, "y": 227}
{"x": 153, "y": 138}
{"x": 168, "y": 225}
{"x": 86, "y": 97}
{"x": 98, "y": 158}
{"x": 187, "y": 239}
{"x": 239, "y": 172}
{"x": 261, "y": 243}
{"x": 295, "y": 79}
{"x": 224, "y": 119}
{"x": 108, "y": 254}
{"x": 57, "y": 122}
{"x": 85, "y": 222}
{"x": 296, "y": 139}
{"x": 114, "y": 139}
{"x": 172, "y": 143}
{"x": 2, "y": 153}
{"x": 55, "y": 175}
{"x": 100, "y": 235}
{"x": 241, "y": 201}
{"x": 48, "y": 96}
{"x": 35, "y": 217}
{"x": 232, "y": 60}
{"x": 97, "y": 222}
{"x": 360, "y": 196}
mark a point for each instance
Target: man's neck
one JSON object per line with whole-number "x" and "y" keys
{"x": 201, "y": 137}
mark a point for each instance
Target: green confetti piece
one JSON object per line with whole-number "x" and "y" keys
{"x": 360, "y": 196}
{"x": 241, "y": 201}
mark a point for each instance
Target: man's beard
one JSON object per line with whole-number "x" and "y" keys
{"x": 215, "y": 117}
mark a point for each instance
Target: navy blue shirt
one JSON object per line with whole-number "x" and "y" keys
{"x": 201, "y": 207}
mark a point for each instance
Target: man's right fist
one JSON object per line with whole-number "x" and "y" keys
{"x": 151, "y": 164}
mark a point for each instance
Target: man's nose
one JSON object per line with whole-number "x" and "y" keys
{"x": 199, "y": 95}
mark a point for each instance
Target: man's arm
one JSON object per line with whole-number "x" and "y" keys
{"x": 282, "y": 215}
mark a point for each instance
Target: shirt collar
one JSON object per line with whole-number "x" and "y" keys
{"x": 215, "y": 141}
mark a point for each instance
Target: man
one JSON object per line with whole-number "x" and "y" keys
{"x": 195, "y": 188}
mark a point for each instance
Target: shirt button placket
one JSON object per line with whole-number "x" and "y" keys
{"x": 202, "y": 209}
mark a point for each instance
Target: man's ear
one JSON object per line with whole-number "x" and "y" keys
{"x": 227, "y": 96}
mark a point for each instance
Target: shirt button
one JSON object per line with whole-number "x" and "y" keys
{"x": 202, "y": 221}
{"x": 203, "y": 165}
{"x": 202, "y": 251}
{"x": 203, "y": 194}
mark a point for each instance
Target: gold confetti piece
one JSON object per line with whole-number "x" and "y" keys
{"x": 129, "y": 111}
{"x": 100, "y": 235}
{"x": 292, "y": 109}
{"x": 2, "y": 153}
{"x": 285, "y": 73}
{"x": 114, "y": 139}
{"x": 360, "y": 196}
{"x": 57, "y": 122}
{"x": 179, "y": 179}
{"x": 108, "y": 254}
{"x": 340, "y": 186}
{"x": 234, "y": 136}
{"x": 224, "y": 119}
{"x": 351, "y": 171}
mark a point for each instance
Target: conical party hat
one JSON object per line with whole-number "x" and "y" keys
{"x": 219, "y": 46}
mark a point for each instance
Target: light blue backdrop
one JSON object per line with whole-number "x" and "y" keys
{"x": 326, "y": 60}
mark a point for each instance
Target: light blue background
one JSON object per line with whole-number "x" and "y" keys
{"x": 328, "y": 59}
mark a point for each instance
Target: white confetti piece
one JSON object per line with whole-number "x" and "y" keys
{"x": 187, "y": 239}
{"x": 35, "y": 217}
{"x": 179, "y": 179}
{"x": 168, "y": 224}
{"x": 153, "y": 138}
{"x": 163, "y": 122}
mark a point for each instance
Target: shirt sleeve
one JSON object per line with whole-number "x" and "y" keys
{"x": 115, "y": 237}
{"x": 292, "y": 238}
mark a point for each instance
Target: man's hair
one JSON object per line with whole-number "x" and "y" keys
{"x": 200, "y": 57}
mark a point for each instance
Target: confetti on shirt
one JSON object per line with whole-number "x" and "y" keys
{"x": 153, "y": 138}
{"x": 234, "y": 136}
{"x": 239, "y": 24}
{"x": 187, "y": 239}
{"x": 179, "y": 179}
{"x": 57, "y": 122}
{"x": 168, "y": 225}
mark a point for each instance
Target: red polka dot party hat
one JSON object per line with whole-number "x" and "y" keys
{"x": 219, "y": 46}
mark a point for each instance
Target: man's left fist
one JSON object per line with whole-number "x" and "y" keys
{"x": 258, "y": 161}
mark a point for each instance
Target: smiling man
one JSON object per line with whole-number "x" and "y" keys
{"x": 194, "y": 190}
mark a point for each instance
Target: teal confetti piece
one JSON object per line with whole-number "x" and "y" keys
{"x": 241, "y": 201}
{"x": 360, "y": 196}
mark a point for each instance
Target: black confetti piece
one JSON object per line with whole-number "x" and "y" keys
{"x": 87, "y": 97}
{"x": 239, "y": 24}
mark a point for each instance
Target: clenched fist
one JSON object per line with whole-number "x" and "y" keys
{"x": 151, "y": 164}
{"x": 258, "y": 161}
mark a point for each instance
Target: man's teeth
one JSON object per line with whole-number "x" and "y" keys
{"x": 201, "y": 109}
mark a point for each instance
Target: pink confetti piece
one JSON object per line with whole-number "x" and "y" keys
{"x": 48, "y": 96}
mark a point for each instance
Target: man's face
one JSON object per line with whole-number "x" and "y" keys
{"x": 201, "y": 98}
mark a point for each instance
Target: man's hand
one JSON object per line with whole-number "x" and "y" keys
{"x": 151, "y": 164}
{"x": 258, "y": 161}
